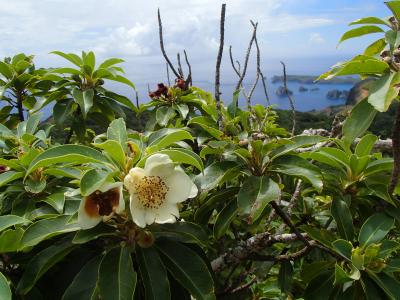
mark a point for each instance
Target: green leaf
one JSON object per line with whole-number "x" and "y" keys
{"x": 84, "y": 99}
{"x": 41, "y": 263}
{"x": 225, "y": 218}
{"x": 295, "y": 143}
{"x": 320, "y": 287}
{"x": 10, "y": 240}
{"x": 47, "y": 228}
{"x": 56, "y": 201}
{"x": 208, "y": 124}
{"x": 363, "y": 30}
{"x": 72, "y": 154}
{"x": 358, "y": 122}
{"x": 185, "y": 232}
{"x": 390, "y": 285}
{"x": 114, "y": 150}
{"x": 359, "y": 65}
{"x": 110, "y": 62}
{"x": 164, "y": 114}
{"x": 11, "y": 220}
{"x": 203, "y": 213}
{"x": 83, "y": 286}
{"x": 375, "y": 229}
{"x": 5, "y": 291}
{"x": 344, "y": 221}
{"x": 71, "y": 71}
{"x": 84, "y": 236}
{"x": 187, "y": 268}
{"x": 394, "y": 6}
{"x": 117, "y": 278}
{"x": 255, "y": 194}
{"x": 375, "y": 48}
{"x": 75, "y": 59}
{"x": 298, "y": 167}
{"x": 285, "y": 277}
{"x": 343, "y": 247}
{"x": 365, "y": 145}
{"x": 92, "y": 180}
{"x": 9, "y": 176}
{"x": 5, "y": 70}
{"x": 117, "y": 132}
{"x": 382, "y": 93}
{"x": 123, "y": 80}
{"x": 166, "y": 137}
{"x": 90, "y": 60}
{"x": 154, "y": 274}
{"x": 181, "y": 156}
{"x": 369, "y": 20}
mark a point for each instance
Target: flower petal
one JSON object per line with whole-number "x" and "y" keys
{"x": 167, "y": 214}
{"x": 137, "y": 212}
{"x": 88, "y": 215}
{"x": 181, "y": 187}
{"x": 159, "y": 165}
{"x": 133, "y": 177}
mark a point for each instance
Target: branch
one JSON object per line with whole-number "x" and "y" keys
{"x": 289, "y": 97}
{"x": 160, "y": 30}
{"x": 188, "y": 80}
{"x": 218, "y": 66}
{"x": 180, "y": 70}
{"x": 396, "y": 152}
{"x": 169, "y": 81}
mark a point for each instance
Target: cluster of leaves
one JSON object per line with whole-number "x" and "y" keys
{"x": 327, "y": 196}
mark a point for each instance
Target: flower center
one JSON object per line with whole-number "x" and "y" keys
{"x": 151, "y": 191}
{"x": 102, "y": 204}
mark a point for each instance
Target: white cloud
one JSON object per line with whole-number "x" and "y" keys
{"x": 316, "y": 38}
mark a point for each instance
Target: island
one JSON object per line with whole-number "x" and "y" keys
{"x": 307, "y": 79}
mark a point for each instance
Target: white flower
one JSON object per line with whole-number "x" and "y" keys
{"x": 156, "y": 190}
{"x": 101, "y": 205}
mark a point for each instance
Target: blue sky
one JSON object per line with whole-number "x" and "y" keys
{"x": 303, "y": 33}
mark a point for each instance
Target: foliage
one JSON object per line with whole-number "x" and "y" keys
{"x": 270, "y": 216}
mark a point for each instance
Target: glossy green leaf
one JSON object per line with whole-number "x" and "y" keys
{"x": 75, "y": 59}
{"x": 375, "y": 229}
{"x": 92, "y": 180}
{"x": 208, "y": 124}
{"x": 365, "y": 145}
{"x": 298, "y": 167}
{"x": 9, "y": 176}
{"x": 110, "y": 62}
{"x": 381, "y": 93}
{"x": 41, "y": 263}
{"x": 10, "y": 240}
{"x": 83, "y": 286}
{"x": 166, "y": 137}
{"x": 295, "y": 143}
{"x": 5, "y": 291}
{"x": 84, "y": 236}
{"x": 164, "y": 114}
{"x": 6, "y": 70}
{"x": 387, "y": 283}
{"x": 394, "y": 6}
{"x": 343, "y": 247}
{"x": 358, "y": 122}
{"x": 185, "y": 232}
{"x": 320, "y": 287}
{"x": 344, "y": 221}
{"x": 255, "y": 194}
{"x": 114, "y": 150}
{"x": 72, "y": 154}
{"x": 7, "y": 221}
{"x": 84, "y": 99}
{"x": 47, "y": 228}
{"x": 187, "y": 268}
{"x": 369, "y": 20}
{"x": 363, "y": 30}
{"x": 225, "y": 218}
{"x": 122, "y": 79}
{"x": 117, "y": 278}
{"x": 375, "y": 48}
{"x": 154, "y": 274}
{"x": 117, "y": 132}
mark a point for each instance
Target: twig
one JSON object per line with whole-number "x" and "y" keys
{"x": 289, "y": 223}
{"x": 292, "y": 202}
{"x": 180, "y": 70}
{"x": 396, "y": 152}
{"x": 188, "y": 80}
{"x": 218, "y": 66}
{"x": 169, "y": 81}
{"x": 160, "y": 30}
{"x": 289, "y": 97}
{"x": 265, "y": 88}
{"x": 246, "y": 60}
{"x": 244, "y": 286}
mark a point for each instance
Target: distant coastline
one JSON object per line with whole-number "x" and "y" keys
{"x": 307, "y": 79}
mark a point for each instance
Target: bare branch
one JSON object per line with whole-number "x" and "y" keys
{"x": 160, "y": 30}
{"x": 289, "y": 97}
{"x": 218, "y": 66}
{"x": 169, "y": 81}
{"x": 188, "y": 80}
{"x": 396, "y": 152}
{"x": 180, "y": 70}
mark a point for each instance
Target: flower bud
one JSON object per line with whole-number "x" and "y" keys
{"x": 145, "y": 239}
